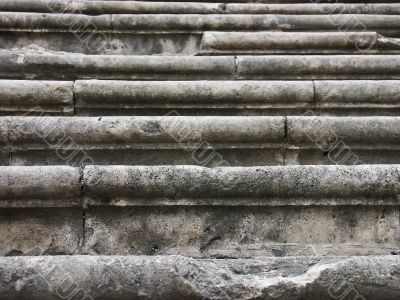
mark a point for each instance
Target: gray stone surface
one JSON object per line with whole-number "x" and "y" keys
{"x": 40, "y": 231}
{"x": 117, "y": 132}
{"x": 280, "y": 185}
{"x": 379, "y": 132}
{"x": 74, "y": 66}
{"x": 224, "y": 232}
{"x": 295, "y": 42}
{"x": 175, "y": 277}
{"x": 125, "y": 7}
{"x": 95, "y": 96}
{"x": 236, "y": 141}
{"x": 319, "y": 67}
{"x": 23, "y": 96}
{"x": 69, "y": 66}
{"x": 52, "y": 186}
{"x": 221, "y": 97}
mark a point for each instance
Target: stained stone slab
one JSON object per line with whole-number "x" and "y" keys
{"x": 54, "y": 21}
{"x": 319, "y": 67}
{"x": 117, "y": 132}
{"x": 73, "y": 66}
{"x": 271, "y": 185}
{"x": 379, "y": 132}
{"x": 237, "y": 231}
{"x": 41, "y": 231}
{"x": 26, "y": 96}
{"x": 222, "y": 97}
{"x": 341, "y": 97}
{"x": 142, "y": 7}
{"x": 104, "y": 96}
{"x": 176, "y": 277}
{"x": 298, "y": 42}
{"x": 57, "y": 186}
{"x": 195, "y": 22}
{"x": 378, "y": 92}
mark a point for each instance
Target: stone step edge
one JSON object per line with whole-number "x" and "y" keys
{"x": 19, "y": 65}
{"x": 172, "y": 277}
{"x": 43, "y": 132}
{"x": 142, "y": 7}
{"x": 119, "y": 23}
{"x": 230, "y": 43}
{"x": 72, "y": 97}
{"x": 62, "y": 186}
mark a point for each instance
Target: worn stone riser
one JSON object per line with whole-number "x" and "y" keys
{"x": 20, "y": 65}
{"x": 141, "y": 7}
{"x": 108, "y": 44}
{"x": 243, "y": 156}
{"x": 163, "y": 43}
{"x": 174, "y": 185}
{"x": 119, "y": 98}
{"x": 196, "y": 22}
{"x": 176, "y": 277}
{"x": 200, "y": 212}
{"x": 203, "y": 232}
{"x": 208, "y": 141}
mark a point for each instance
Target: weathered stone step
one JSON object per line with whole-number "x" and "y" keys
{"x": 61, "y": 186}
{"x": 194, "y": 22}
{"x": 113, "y": 97}
{"x": 211, "y": 141}
{"x": 142, "y": 7}
{"x": 200, "y": 212}
{"x": 176, "y": 277}
{"x": 237, "y": 186}
{"x": 15, "y": 65}
{"x": 231, "y": 43}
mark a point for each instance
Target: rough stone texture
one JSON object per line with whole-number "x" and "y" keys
{"x": 221, "y": 97}
{"x": 94, "y": 95}
{"x": 70, "y": 66}
{"x": 223, "y": 232}
{"x": 94, "y": 132}
{"x": 57, "y": 186}
{"x": 132, "y": 7}
{"x": 207, "y": 141}
{"x": 319, "y": 67}
{"x": 25, "y": 96}
{"x": 40, "y": 232}
{"x": 285, "y": 185}
{"x": 175, "y": 277}
{"x": 296, "y": 42}
{"x": 74, "y": 66}
{"x": 175, "y": 184}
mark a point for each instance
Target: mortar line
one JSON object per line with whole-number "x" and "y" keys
{"x": 285, "y": 140}
{"x": 83, "y": 211}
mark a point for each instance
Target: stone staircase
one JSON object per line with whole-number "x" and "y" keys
{"x": 199, "y": 150}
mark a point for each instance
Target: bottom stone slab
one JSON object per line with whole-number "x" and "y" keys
{"x": 177, "y": 277}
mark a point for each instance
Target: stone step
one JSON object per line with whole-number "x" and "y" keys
{"x": 211, "y": 141}
{"x": 114, "y": 97}
{"x": 98, "y": 7}
{"x": 125, "y": 186}
{"x": 194, "y": 22}
{"x": 232, "y": 43}
{"x": 200, "y": 212}
{"x": 176, "y": 277}
{"x": 23, "y": 65}
{"x": 169, "y": 33}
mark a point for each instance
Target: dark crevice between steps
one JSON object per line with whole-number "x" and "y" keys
{"x": 83, "y": 208}
{"x": 285, "y": 142}
{"x": 74, "y": 99}
{"x": 235, "y": 76}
